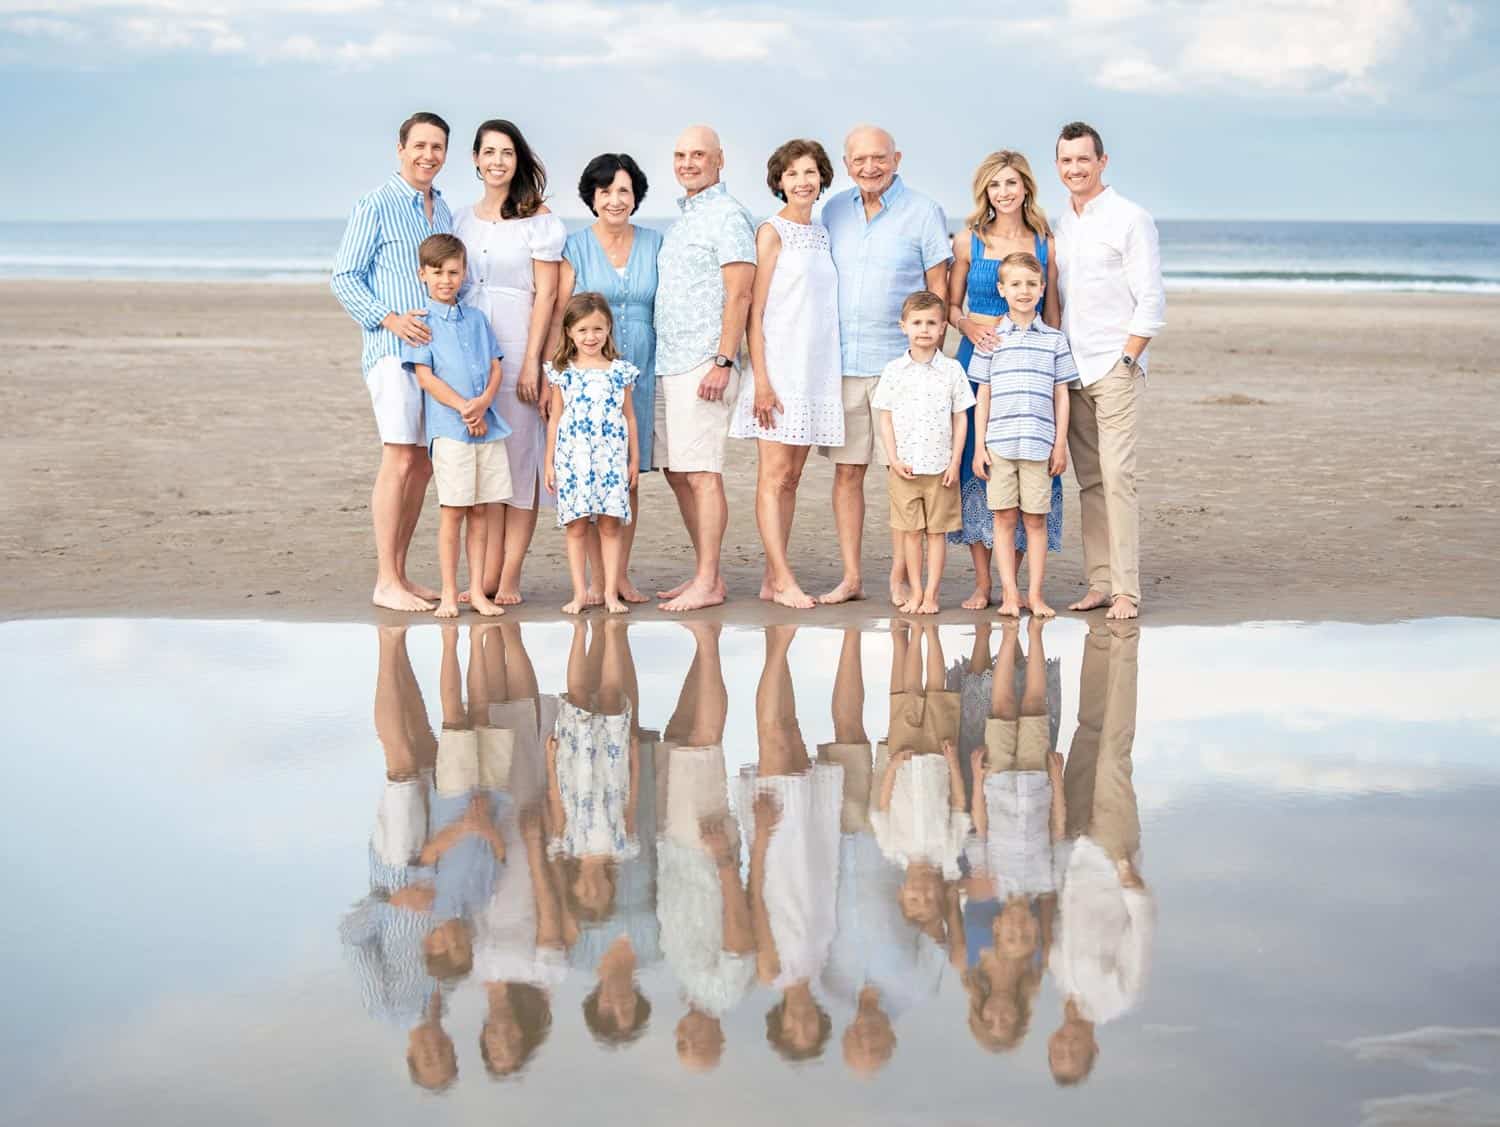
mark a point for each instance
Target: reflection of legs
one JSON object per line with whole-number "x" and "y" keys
{"x": 906, "y": 660}
{"x": 1034, "y": 695}
{"x": 1003, "y": 685}
{"x": 616, "y": 669}
{"x": 937, "y": 674}
{"x": 782, "y": 751}
{"x": 1115, "y": 822}
{"x": 849, "y": 693}
{"x": 478, "y": 679}
{"x": 581, "y": 678}
{"x": 450, "y": 682}
{"x": 849, "y": 520}
{"x": 703, "y": 704}
{"x": 395, "y": 687}
{"x": 778, "y": 473}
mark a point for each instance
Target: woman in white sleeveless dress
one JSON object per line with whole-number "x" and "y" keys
{"x": 514, "y": 247}
{"x": 795, "y": 401}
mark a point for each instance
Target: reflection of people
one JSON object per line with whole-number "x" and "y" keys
{"x": 790, "y": 811}
{"x": 706, "y": 934}
{"x": 1103, "y": 946}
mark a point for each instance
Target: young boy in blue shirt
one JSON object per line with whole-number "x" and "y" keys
{"x": 459, "y": 374}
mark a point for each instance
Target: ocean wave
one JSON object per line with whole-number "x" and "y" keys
{"x": 1331, "y": 279}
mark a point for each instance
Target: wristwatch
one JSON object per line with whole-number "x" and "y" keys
{"x": 1128, "y": 360}
{"x": 722, "y": 361}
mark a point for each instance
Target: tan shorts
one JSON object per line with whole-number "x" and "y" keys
{"x": 920, "y": 722}
{"x": 854, "y": 758}
{"x": 924, "y": 504}
{"x": 1018, "y": 484}
{"x": 862, "y": 446}
{"x": 688, "y": 433}
{"x": 1017, "y": 745}
{"x": 470, "y": 473}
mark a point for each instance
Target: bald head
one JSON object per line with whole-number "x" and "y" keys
{"x": 697, "y": 159}
{"x": 871, "y": 159}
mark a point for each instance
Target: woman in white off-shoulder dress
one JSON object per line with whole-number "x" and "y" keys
{"x": 514, "y": 247}
{"x": 795, "y": 401}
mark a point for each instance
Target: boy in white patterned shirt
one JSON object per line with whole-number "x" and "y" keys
{"x": 920, "y": 404}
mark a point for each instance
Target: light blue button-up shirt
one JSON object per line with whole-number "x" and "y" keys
{"x": 375, "y": 270}
{"x": 459, "y": 354}
{"x": 1023, "y": 375}
{"x": 715, "y": 230}
{"x": 881, "y": 262}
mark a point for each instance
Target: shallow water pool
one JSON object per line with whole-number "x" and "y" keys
{"x": 265, "y": 872}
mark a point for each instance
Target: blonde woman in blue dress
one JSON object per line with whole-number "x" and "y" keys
{"x": 592, "y": 451}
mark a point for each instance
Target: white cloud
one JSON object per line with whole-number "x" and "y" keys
{"x": 47, "y": 27}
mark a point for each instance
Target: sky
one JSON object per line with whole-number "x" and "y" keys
{"x": 1286, "y": 109}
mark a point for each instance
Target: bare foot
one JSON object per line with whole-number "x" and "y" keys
{"x": 978, "y": 600}
{"x": 1010, "y": 605}
{"x": 767, "y": 592}
{"x": 615, "y": 605}
{"x": 1040, "y": 609}
{"x": 794, "y": 597}
{"x": 483, "y": 605}
{"x": 573, "y": 606}
{"x": 673, "y": 592}
{"x": 848, "y": 591}
{"x": 901, "y": 595}
{"x": 509, "y": 597}
{"x": 448, "y": 608}
{"x": 927, "y": 606}
{"x": 631, "y": 593}
{"x": 421, "y": 590}
{"x": 396, "y": 597}
{"x": 696, "y": 596}
{"x": 1122, "y": 607}
{"x": 911, "y": 606}
{"x": 595, "y": 598}
{"x": 1092, "y": 601}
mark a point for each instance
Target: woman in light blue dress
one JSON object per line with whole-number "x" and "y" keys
{"x": 617, "y": 258}
{"x": 1007, "y": 218}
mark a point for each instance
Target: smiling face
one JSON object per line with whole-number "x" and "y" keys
{"x": 922, "y": 890}
{"x": 1071, "y": 1052}
{"x": 422, "y": 155}
{"x": 444, "y": 279}
{"x": 869, "y": 1042}
{"x": 700, "y": 1041}
{"x": 801, "y": 183}
{"x": 1016, "y": 931}
{"x": 1007, "y": 191}
{"x": 1079, "y": 168}
{"x": 871, "y": 159}
{"x": 697, "y": 159}
{"x": 1022, "y": 289}
{"x": 589, "y": 334}
{"x": 616, "y": 203}
{"x": 496, "y": 160}
{"x": 430, "y": 1057}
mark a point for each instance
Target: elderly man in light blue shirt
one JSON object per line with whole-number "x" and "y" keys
{"x": 888, "y": 242}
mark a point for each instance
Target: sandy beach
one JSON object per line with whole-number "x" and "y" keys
{"x": 207, "y": 451}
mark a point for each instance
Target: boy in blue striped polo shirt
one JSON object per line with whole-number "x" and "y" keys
{"x": 1023, "y": 406}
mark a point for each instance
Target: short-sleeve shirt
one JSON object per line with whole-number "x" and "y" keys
{"x": 881, "y": 262}
{"x": 459, "y": 354}
{"x": 1023, "y": 373}
{"x": 922, "y": 400}
{"x": 714, "y": 231}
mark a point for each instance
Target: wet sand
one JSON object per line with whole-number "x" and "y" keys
{"x": 207, "y": 451}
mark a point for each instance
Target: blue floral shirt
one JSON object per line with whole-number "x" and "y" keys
{"x": 714, "y": 231}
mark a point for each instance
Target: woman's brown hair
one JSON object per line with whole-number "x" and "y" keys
{"x": 528, "y": 186}
{"x": 783, "y": 157}
{"x": 579, "y": 306}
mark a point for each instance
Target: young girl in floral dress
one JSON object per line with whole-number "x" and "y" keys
{"x": 592, "y": 444}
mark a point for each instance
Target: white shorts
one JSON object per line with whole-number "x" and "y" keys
{"x": 401, "y": 821}
{"x": 689, "y": 433}
{"x": 397, "y": 401}
{"x": 470, "y": 473}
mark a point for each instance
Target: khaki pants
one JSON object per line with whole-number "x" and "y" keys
{"x": 1097, "y": 787}
{"x": 1101, "y": 436}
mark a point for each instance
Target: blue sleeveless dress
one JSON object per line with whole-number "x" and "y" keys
{"x": 632, "y": 302}
{"x": 984, "y": 298}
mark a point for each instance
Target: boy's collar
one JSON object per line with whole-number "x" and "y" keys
{"x": 912, "y": 360}
{"x": 445, "y": 310}
{"x": 1007, "y": 325}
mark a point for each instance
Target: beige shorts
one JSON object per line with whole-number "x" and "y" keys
{"x": 862, "y": 445}
{"x": 1018, "y": 484}
{"x": 920, "y": 722}
{"x": 689, "y": 433}
{"x": 470, "y": 473}
{"x": 854, "y": 758}
{"x": 397, "y": 401}
{"x": 1017, "y": 745}
{"x": 924, "y": 504}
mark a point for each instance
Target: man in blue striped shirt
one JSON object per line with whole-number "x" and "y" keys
{"x": 1023, "y": 406}
{"x": 375, "y": 279}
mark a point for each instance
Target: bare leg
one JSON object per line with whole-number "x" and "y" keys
{"x": 1003, "y": 685}
{"x": 711, "y": 512}
{"x": 451, "y": 682}
{"x": 910, "y": 545}
{"x": 687, "y": 506}
{"x": 779, "y": 472}
{"x": 394, "y": 685}
{"x": 520, "y": 677}
{"x": 1020, "y": 559}
{"x": 412, "y": 498}
{"x": 1036, "y": 562}
{"x": 849, "y": 520}
{"x": 937, "y": 556}
{"x": 479, "y": 527}
{"x": 703, "y": 704}
{"x": 609, "y": 541}
{"x": 478, "y": 678}
{"x": 628, "y": 590}
{"x": 1034, "y": 692}
{"x": 577, "y": 535}
{"x": 782, "y": 751}
{"x": 980, "y": 556}
{"x": 595, "y": 551}
{"x": 520, "y": 525}
{"x": 849, "y": 692}
{"x": 936, "y": 672}
{"x": 580, "y": 691}
{"x": 906, "y": 586}
{"x": 494, "y": 548}
{"x": 615, "y": 668}
{"x": 1005, "y": 534}
{"x": 448, "y": 530}
{"x": 398, "y": 470}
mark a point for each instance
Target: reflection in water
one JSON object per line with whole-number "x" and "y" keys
{"x": 544, "y": 836}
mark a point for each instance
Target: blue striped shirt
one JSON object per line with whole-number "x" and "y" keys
{"x": 375, "y": 271}
{"x": 1022, "y": 376}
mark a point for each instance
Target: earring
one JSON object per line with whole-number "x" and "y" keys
{"x": 477, "y": 174}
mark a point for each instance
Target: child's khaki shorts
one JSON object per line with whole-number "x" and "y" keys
{"x": 1017, "y": 484}
{"x": 924, "y": 504}
{"x": 470, "y": 473}
{"x": 1017, "y": 745}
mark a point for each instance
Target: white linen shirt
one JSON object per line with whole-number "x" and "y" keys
{"x": 922, "y": 400}
{"x": 1109, "y": 276}
{"x": 1102, "y": 949}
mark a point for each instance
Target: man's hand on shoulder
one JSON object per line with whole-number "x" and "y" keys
{"x": 410, "y": 327}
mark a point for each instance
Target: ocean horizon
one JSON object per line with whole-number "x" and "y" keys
{"x": 1196, "y": 254}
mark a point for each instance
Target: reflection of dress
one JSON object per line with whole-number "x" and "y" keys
{"x": 592, "y": 461}
{"x": 593, "y": 779}
{"x": 631, "y": 294}
{"x": 500, "y": 282}
{"x": 984, "y": 298}
{"x": 802, "y": 863}
{"x": 802, "y": 344}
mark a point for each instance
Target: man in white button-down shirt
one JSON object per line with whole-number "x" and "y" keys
{"x": 1113, "y": 303}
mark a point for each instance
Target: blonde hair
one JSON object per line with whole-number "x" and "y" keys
{"x": 580, "y": 306}
{"x": 984, "y": 214}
